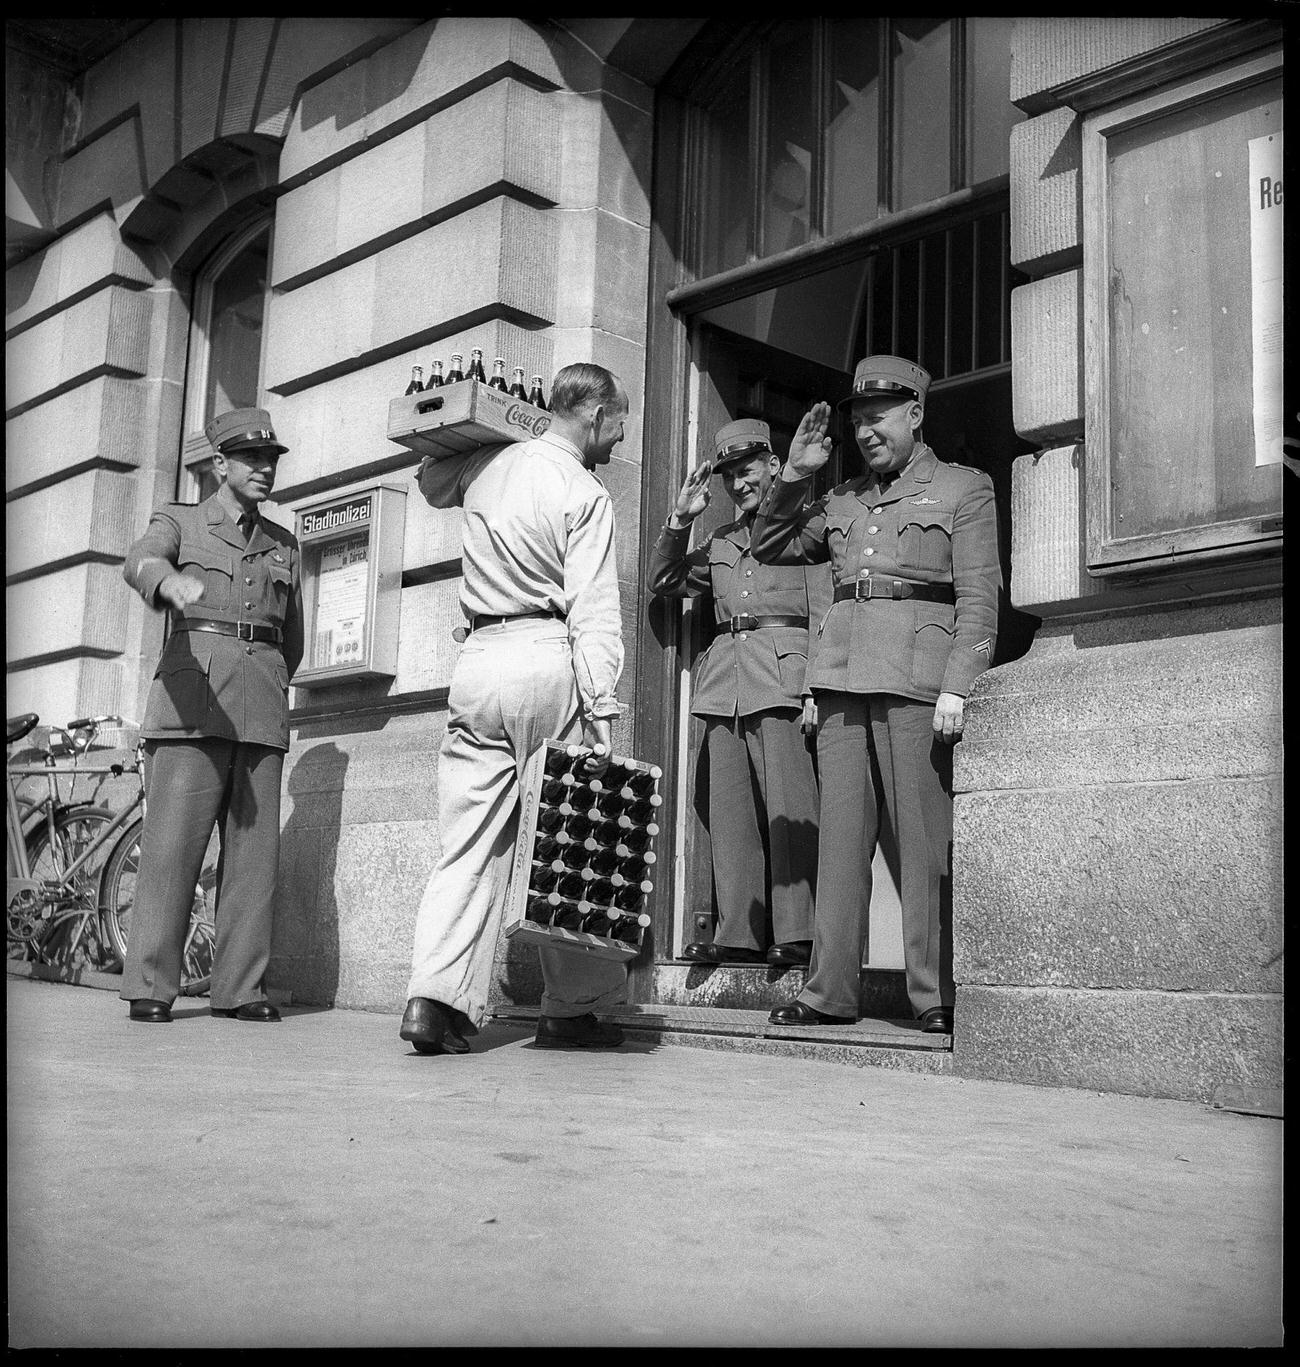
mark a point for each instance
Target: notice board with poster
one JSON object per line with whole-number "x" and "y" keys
{"x": 1183, "y": 219}
{"x": 351, "y": 547}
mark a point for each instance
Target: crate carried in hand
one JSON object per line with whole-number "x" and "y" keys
{"x": 462, "y": 416}
{"x": 584, "y": 856}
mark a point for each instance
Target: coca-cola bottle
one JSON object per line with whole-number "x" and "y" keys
{"x": 417, "y": 378}
{"x": 643, "y": 809}
{"x": 542, "y": 906}
{"x": 498, "y": 380}
{"x": 517, "y": 390}
{"x": 475, "y": 371}
{"x": 568, "y": 914}
{"x": 550, "y": 819}
{"x": 638, "y": 838}
{"x": 559, "y": 759}
{"x": 454, "y": 371}
{"x": 544, "y": 877}
{"x": 558, "y": 788}
{"x": 633, "y": 860}
{"x": 552, "y": 846}
{"x": 435, "y": 379}
{"x": 580, "y": 824}
{"x": 535, "y": 396}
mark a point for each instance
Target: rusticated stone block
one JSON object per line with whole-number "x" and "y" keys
{"x": 108, "y": 416}
{"x": 108, "y": 330}
{"x": 604, "y": 285}
{"x": 1046, "y": 161}
{"x": 75, "y": 687}
{"x": 106, "y": 171}
{"x": 84, "y": 607}
{"x": 1047, "y": 552}
{"x": 505, "y": 259}
{"x": 1046, "y": 387}
{"x": 92, "y": 513}
{"x": 1093, "y": 887}
{"x": 1047, "y": 52}
{"x": 88, "y": 258}
{"x": 1180, "y": 1045}
{"x": 405, "y": 81}
{"x": 507, "y": 134}
{"x": 607, "y": 151}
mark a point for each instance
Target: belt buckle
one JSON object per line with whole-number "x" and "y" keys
{"x": 244, "y": 631}
{"x": 739, "y": 620}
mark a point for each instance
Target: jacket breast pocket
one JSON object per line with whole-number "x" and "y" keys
{"x": 281, "y": 582}
{"x": 925, "y": 542}
{"x": 182, "y": 693}
{"x": 724, "y": 556}
{"x": 214, "y": 571}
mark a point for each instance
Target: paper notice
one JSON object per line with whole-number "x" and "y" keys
{"x": 341, "y": 602}
{"x": 1265, "y": 165}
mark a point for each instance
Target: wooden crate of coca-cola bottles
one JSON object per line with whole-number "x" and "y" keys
{"x": 462, "y": 416}
{"x": 584, "y": 857}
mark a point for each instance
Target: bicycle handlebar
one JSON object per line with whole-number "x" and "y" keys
{"x": 92, "y": 723}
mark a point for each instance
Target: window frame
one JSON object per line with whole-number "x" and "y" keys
{"x": 196, "y": 451}
{"x": 1107, "y": 554}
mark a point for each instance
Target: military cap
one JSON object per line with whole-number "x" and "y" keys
{"x": 243, "y": 429}
{"x": 739, "y": 440}
{"x": 888, "y": 375}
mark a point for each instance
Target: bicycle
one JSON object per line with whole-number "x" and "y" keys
{"x": 72, "y": 865}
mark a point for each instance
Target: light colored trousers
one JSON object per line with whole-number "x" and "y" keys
{"x": 512, "y": 689}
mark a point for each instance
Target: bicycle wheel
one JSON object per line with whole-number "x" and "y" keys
{"x": 117, "y": 897}
{"x": 63, "y": 921}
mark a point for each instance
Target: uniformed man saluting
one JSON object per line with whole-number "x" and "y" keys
{"x": 912, "y": 544}
{"x": 748, "y": 689}
{"x": 216, "y": 724}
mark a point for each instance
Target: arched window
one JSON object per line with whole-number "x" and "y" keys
{"x": 227, "y": 338}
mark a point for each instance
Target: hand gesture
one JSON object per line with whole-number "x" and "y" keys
{"x": 810, "y": 447}
{"x": 694, "y": 496}
{"x": 948, "y": 718}
{"x": 179, "y": 591}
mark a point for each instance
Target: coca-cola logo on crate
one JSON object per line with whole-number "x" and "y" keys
{"x": 521, "y": 415}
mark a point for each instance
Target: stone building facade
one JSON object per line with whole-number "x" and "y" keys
{"x": 362, "y": 195}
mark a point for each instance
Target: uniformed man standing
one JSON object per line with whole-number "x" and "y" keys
{"x": 541, "y": 661}
{"x": 749, "y": 691}
{"x": 216, "y": 724}
{"x": 912, "y": 544}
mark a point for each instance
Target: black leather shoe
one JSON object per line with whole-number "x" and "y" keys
{"x": 250, "y": 1011}
{"x": 701, "y": 953}
{"x": 936, "y": 1021}
{"x": 153, "y": 1012}
{"x": 576, "y": 1032}
{"x": 800, "y": 1013}
{"x": 794, "y": 953}
{"x": 431, "y": 1028}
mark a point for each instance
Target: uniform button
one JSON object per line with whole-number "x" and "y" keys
{"x": 869, "y": 551}
{"x": 864, "y": 574}
{"x": 248, "y": 605}
{"x": 249, "y": 581}
{"x": 248, "y": 650}
{"x": 744, "y": 636}
{"x": 744, "y": 593}
{"x": 873, "y": 529}
{"x": 749, "y": 574}
{"x": 878, "y": 510}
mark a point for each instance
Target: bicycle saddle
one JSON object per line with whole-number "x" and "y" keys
{"x": 20, "y": 726}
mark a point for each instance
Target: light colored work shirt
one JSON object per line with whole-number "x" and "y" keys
{"x": 538, "y": 537}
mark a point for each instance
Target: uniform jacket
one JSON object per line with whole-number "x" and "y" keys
{"x": 936, "y": 524}
{"x": 749, "y": 671}
{"x": 210, "y": 685}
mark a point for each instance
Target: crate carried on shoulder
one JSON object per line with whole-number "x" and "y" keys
{"x": 460, "y": 417}
{"x": 584, "y": 855}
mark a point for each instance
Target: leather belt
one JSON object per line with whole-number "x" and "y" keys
{"x": 476, "y": 622}
{"x": 745, "y": 621}
{"x": 245, "y": 631}
{"x": 880, "y": 586}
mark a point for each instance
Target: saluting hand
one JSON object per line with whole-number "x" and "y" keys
{"x": 179, "y": 590}
{"x": 694, "y": 496}
{"x": 810, "y": 447}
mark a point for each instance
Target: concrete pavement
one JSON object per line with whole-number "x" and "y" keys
{"x": 213, "y": 1183}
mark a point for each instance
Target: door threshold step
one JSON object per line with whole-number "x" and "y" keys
{"x": 867, "y": 1041}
